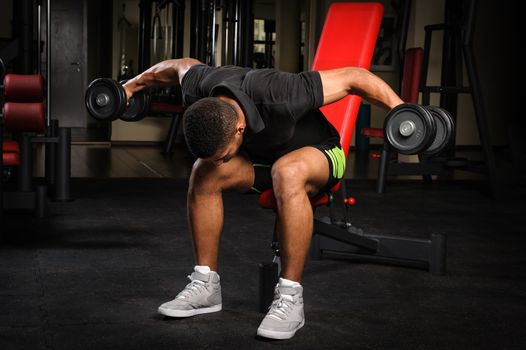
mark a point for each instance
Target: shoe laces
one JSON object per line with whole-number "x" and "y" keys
{"x": 193, "y": 288}
{"x": 281, "y": 307}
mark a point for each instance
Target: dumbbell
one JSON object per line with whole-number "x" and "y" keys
{"x": 415, "y": 129}
{"x": 106, "y": 101}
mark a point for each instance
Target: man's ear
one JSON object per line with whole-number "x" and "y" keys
{"x": 240, "y": 129}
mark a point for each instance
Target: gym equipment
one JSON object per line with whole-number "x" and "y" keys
{"x": 445, "y": 131}
{"x": 27, "y": 117}
{"x": 23, "y": 115}
{"x": 137, "y": 107}
{"x": 106, "y": 101}
{"x": 410, "y": 128}
{"x": 413, "y": 129}
{"x": 23, "y": 88}
{"x": 336, "y": 236}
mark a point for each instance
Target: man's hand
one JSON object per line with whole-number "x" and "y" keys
{"x": 165, "y": 73}
{"x": 129, "y": 94}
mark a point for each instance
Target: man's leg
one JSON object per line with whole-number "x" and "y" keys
{"x": 205, "y": 214}
{"x": 205, "y": 202}
{"x": 295, "y": 177}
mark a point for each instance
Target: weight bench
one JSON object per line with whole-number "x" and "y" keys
{"x": 348, "y": 39}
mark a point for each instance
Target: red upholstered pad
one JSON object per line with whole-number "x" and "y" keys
{"x": 373, "y": 132}
{"x": 11, "y": 146}
{"x": 11, "y": 153}
{"x": 161, "y": 107}
{"x": 348, "y": 39}
{"x": 23, "y": 88}
{"x": 268, "y": 201}
{"x": 411, "y": 76}
{"x": 24, "y": 117}
{"x": 11, "y": 159}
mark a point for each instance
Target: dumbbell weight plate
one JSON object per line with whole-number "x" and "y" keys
{"x": 137, "y": 107}
{"x": 445, "y": 130}
{"x": 409, "y": 128}
{"x": 105, "y": 99}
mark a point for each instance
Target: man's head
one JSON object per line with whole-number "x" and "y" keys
{"x": 212, "y": 129}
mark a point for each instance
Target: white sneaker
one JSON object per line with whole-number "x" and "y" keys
{"x": 285, "y": 315}
{"x": 201, "y": 296}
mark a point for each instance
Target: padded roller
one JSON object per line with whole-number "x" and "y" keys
{"x": 11, "y": 146}
{"x": 160, "y": 107}
{"x": 24, "y": 117}
{"x": 11, "y": 159}
{"x": 23, "y": 88}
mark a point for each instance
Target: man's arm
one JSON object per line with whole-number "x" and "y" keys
{"x": 165, "y": 73}
{"x": 338, "y": 83}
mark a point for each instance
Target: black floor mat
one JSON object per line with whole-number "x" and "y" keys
{"x": 92, "y": 274}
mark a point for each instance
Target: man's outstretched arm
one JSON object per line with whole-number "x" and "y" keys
{"x": 338, "y": 83}
{"x": 165, "y": 73}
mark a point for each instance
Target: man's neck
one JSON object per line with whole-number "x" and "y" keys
{"x": 234, "y": 104}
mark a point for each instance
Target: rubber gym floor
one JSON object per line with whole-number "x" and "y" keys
{"x": 92, "y": 274}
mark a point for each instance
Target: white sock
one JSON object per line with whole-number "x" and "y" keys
{"x": 283, "y": 282}
{"x": 202, "y": 269}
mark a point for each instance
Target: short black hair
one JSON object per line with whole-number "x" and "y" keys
{"x": 208, "y": 125}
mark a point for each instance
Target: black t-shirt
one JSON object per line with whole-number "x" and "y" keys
{"x": 281, "y": 109}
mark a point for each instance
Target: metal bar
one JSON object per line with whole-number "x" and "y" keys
{"x": 339, "y": 234}
{"x": 50, "y": 153}
{"x": 172, "y": 133}
{"x": 447, "y": 89}
{"x": 63, "y": 165}
{"x": 48, "y": 64}
{"x": 145, "y": 27}
{"x": 383, "y": 169}
{"x": 268, "y": 277}
{"x": 429, "y": 168}
{"x": 429, "y": 254}
{"x": 41, "y": 201}
{"x": 39, "y": 37}
{"x": 25, "y": 175}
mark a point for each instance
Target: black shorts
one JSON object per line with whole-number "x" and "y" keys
{"x": 332, "y": 151}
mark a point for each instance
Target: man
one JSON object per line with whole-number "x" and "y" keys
{"x": 252, "y": 130}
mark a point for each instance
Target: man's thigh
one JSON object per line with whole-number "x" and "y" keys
{"x": 306, "y": 167}
{"x": 236, "y": 174}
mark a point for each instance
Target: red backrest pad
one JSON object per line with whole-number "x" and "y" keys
{"x": 348, "y": 39}
{"x": 412, "y": 71}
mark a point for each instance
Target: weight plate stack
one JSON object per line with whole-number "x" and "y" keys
{"x": 105, "y": 99}
{"x": 445, "y": 131}
{"x": 137, "y": 108}
{"x": 410, "y": 128}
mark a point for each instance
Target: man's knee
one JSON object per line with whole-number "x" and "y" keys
{"x": 204, "y": 177}
{"x": 288, "y": 179}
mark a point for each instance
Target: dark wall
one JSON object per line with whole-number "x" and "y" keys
{"x": 497, "y": 44}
